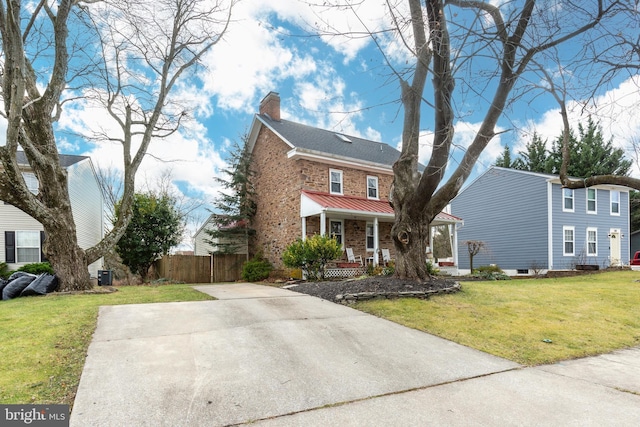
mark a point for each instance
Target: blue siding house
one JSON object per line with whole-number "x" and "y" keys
{"x": 530, "y": 224}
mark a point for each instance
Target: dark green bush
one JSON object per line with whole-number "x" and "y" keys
{"x": 4, "y": 270}
{"x": 37, "y": 268}
{"x": 256, "y": 269}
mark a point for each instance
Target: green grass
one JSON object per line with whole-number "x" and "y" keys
{"x": 44, "y": 340}
{"x": 582, "y": 316}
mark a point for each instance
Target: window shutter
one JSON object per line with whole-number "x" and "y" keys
{"x": 42, "y": 257}
{"x": 10, "y": 247}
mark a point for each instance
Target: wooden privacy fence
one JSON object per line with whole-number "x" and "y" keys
{"x": 201, "y": 269}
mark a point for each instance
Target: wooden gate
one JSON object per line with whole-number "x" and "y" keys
{"x": 201, "y": 269}
{"x": 228, "y": 267}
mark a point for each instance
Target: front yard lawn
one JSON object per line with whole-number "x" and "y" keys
{"x": 44, "y": 339}
{"x": 529, "y": 321}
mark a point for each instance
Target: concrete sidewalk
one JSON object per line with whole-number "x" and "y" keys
{"x": 272, "y": 357}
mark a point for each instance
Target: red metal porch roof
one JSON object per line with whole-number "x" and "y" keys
{"x": 360, "y": 204}
{"x": 333, "y": 201}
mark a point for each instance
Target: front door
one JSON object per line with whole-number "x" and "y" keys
{"x": 614, "y": 247}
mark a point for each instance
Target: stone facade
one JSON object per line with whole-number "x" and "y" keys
{"x": 278, "y": 181}
{"x": 277, "y": 186}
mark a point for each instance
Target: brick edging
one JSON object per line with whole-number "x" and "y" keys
{"x": 364, "y": 296}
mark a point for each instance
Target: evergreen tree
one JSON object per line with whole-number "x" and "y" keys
{"x": 536, "y": 156}
{"x": 235, "y": 207}
{"x": 504, "y": 161}
{"x": 589, "y": 154}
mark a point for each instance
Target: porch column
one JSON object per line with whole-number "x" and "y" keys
{"x": 376, "y": 243}
{"x": 323, "y": 223}
{"x": 454, "y": 245}
{"x": 429, "y": 254}
{"x": 304, "y": 228}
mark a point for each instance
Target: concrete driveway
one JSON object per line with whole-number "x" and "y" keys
{"x": 273, "y": 357}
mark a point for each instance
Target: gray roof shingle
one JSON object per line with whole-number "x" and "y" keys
{"x": 333, "y": 143}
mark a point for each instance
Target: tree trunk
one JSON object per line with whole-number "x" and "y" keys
{"x": 410, "y": 239}
{"x": 67, "y": 258}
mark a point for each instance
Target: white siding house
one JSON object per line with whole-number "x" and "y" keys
{"x": 201, "y": 245}
{"x": 21, "y": 236}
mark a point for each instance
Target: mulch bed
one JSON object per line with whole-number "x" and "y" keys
{"x": 376, "y": 286}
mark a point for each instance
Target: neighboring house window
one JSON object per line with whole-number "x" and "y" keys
{"x": 567, "y": 200}
{"x": 336, "y": 228}
{"x": 335, "y": 181}
{"x": 615, "y": 203}
{"x": 591, "y": 201}
{"x": 370, "y": 242}
{"x": 568, "y": 237}
{"x": 592, "y": 241}
{"x": 27, "y": 246}
{"x": 31, "y": 181}
{"x": 372, "y": 187}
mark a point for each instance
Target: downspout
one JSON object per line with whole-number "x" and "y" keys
{"x": 550, "y": 225}
{"x": 376, "y": 243}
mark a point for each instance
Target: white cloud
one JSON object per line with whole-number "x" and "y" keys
{"x": 251, "y": 59}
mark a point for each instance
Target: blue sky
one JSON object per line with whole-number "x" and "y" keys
{"x": 331, "y": 82}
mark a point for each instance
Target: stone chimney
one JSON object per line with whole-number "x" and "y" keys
{"x": 270, "y": 105}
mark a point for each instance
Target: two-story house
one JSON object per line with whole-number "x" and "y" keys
{"x": 21, "y": 236}
{"x": 204, "y": 244}
{"x": 529, "y": 223}
{"x": 315, "y": 181}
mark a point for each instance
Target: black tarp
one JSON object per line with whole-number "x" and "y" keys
{"x": 41, "y": 285}
{"x": 17, "y": 285}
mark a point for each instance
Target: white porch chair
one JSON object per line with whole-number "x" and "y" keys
{"x": 353, "y": 258}
{"x": 386, "y": 255}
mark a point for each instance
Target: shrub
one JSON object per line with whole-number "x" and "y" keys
{"x": 390, "y": 269}
{"x": 37, "y": 268}
{"x": 256, "y": 269}
{"x": 432, "y": 269}
{"x": 312, "y": 255}
{"x": 374, "y": 270}
{"x": 488, "y": 269}
{"x": 4, "y": 270}
{"x": 490, "y": 272}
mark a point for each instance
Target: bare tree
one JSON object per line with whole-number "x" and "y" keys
{"x": 474, "y": 247}
{"x": 480, "y": 48}
{"x": 145, "y": 47}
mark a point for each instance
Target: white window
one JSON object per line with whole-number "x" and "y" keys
{"x": 31, "y": 181}
{"x": 592, "y": 202}
{"x": 615, "y": 203}
{"x": 335, "y": 181}
{"x": 567, "y": 200}
{"x": 27, "y": 246}
{"x": 592, "y": 241}
{"x": 372, "y": 187}
{"x": 336, "y": 231}
{"x": 568, "y": 238}
{"x": 370, "y": 242}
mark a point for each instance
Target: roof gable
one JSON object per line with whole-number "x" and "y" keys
{"x": 66, "y": 160}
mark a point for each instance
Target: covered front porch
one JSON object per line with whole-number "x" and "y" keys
{"x": 364, "y": 226}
